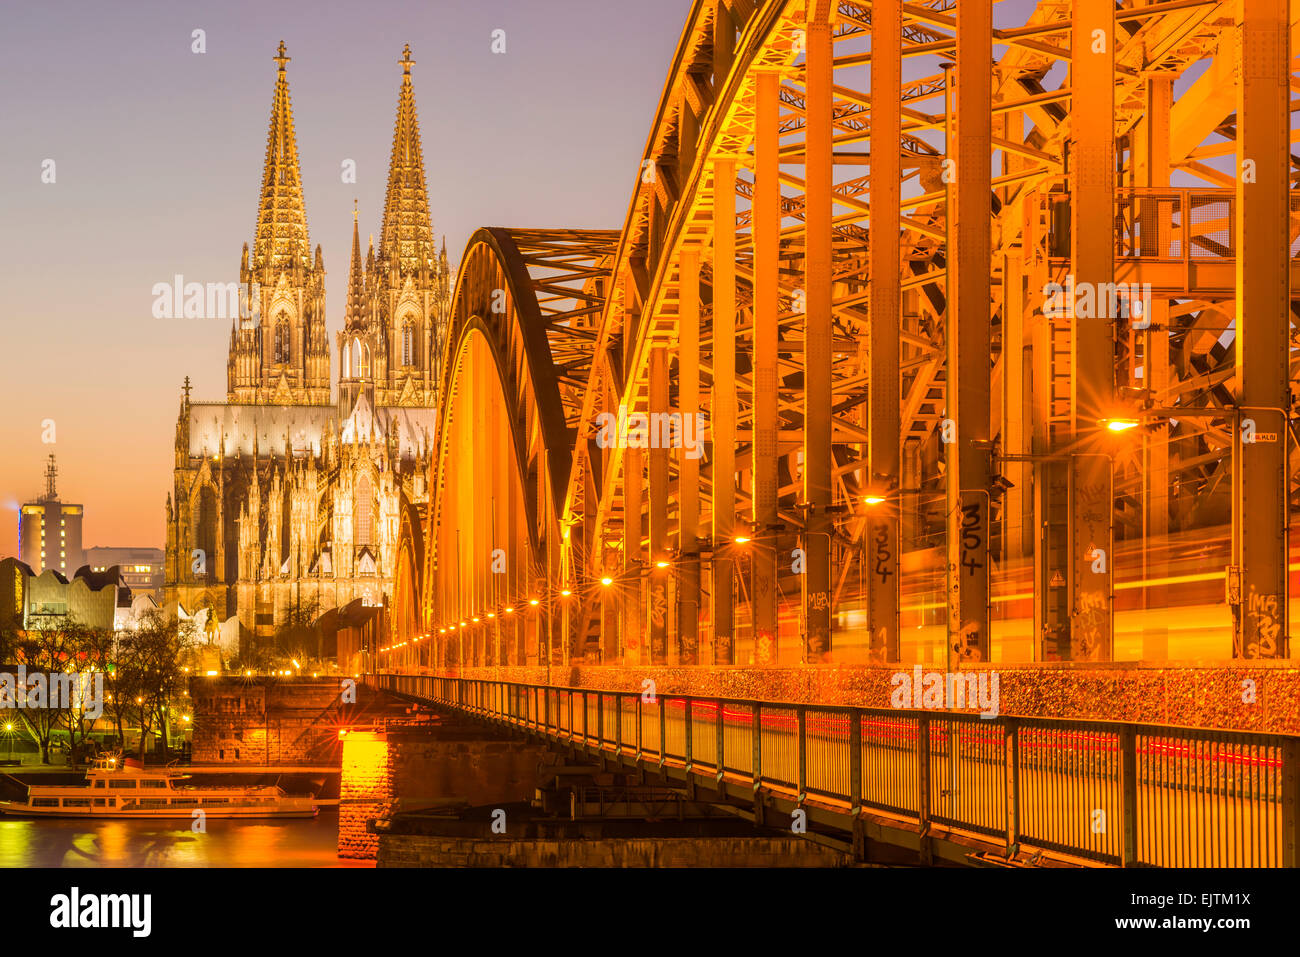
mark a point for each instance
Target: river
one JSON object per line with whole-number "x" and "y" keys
{"x": 72, "y": 842}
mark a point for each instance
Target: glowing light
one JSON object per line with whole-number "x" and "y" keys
{"x": 1120, "y": 425}
{"x": 210, "y": 674}
{"x": 510, "y": 611}
{"x": 532, "y": 601}
{"x": 185, "y": 718}
{"x": 607, "y": 581}
{"x": 873, "y": 499}
{"x": 741, "y": 540}
{"x": 661, "y": 564}
{"x": 492, "y": 614}
{"x": 566, "y": 593}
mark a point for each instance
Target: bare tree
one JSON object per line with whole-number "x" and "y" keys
{"x": 149, "y": 671}
{"x": 46, "y": 652}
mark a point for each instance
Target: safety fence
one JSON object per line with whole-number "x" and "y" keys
{"x": 1113, "y": 792}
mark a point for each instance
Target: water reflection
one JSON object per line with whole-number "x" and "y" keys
{"x": 227, "y": 843}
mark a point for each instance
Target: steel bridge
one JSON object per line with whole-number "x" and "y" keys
{"x": 929, "y": 335}
{"x": 956, "y": 787}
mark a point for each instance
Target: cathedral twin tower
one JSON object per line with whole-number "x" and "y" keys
{"x": 285, "y": 505}
{"x": 388, "y": 349}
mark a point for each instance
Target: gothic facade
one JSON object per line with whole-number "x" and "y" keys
{"x": 286, "y": 504}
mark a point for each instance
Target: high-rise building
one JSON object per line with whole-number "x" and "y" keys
{"x": 284, "y": 504}
{"x": 141, "y": 568}
{"x": 49, "y": 531}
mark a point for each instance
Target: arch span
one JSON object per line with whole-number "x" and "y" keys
{"x": 787, "y": 270}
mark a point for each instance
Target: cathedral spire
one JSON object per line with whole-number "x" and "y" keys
{"x": 407, "y": 234}
{"x": 356, "y": 312}
{"x": 281, "y": 240}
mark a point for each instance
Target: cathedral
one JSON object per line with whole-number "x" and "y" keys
{"x": 285, "y": 504}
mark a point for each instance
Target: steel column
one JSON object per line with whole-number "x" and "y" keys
{"x": 722, "y": 426}
{"x": 882, "y": 527}
{"x": 819, "y": 71}
{"x": 688, "y": 514}
{"x": 630, "y": 590}
{"x": 1092, "y": 367}
{"x": 657, "y": 605}
{"x": 968, "y": 303}
{"x": 766, "y": 216}
{"x": 1262, "y": 389}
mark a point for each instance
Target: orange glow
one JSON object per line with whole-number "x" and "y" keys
{"x": 1120, "y": 425}
{"x": 741, "y": 540}
{"x": 607, "y": 582}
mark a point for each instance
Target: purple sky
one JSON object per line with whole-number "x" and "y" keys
{"x": 158, "y": 155}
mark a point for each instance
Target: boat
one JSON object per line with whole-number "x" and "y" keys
{"x": 117, "y": 788}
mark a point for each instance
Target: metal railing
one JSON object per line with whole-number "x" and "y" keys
{"x": 1112, "y": 792}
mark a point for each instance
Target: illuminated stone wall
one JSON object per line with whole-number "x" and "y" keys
{"x": 405, "y": 850}
{"x": 365, "y": 792}
{"x": 268, "y": 721}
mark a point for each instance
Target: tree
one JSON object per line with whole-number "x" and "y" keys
{"x": 297, "y": 638}
{"x": 92, "y": 650}
{"x": 149, "y": 671}
{"x": 48, "y": 653}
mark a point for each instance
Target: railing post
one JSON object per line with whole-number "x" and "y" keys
{"x": 663, "y": 731}
{"x": 600, "y": 720}
{"x": 640, "y": 741}
{"x": 1128, "y": 791}
{"x": 1290, "y": 802}
{"x": 923, "y": 784}
{"x": 722, "y": 741}
{"x": 801, "y": 717}
{"x": 756, "y": 773}
{"x": 687, "y": 717}
{"x": 855, "y": 762}
{"x": 1011, "y": 755}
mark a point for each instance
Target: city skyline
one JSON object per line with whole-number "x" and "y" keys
{"x": 116, "y": 188}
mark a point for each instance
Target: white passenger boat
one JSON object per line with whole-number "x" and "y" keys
{"x": 124, "y": 788}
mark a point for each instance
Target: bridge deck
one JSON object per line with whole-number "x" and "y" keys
{"x": 1106, "y": 793}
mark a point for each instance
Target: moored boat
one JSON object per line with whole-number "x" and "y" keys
{"x": 119, "y": 788}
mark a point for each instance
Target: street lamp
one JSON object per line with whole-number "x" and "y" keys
{"x": 1119, "y": 424}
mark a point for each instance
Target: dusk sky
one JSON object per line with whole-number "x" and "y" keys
{"x": 158, "y": 160}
